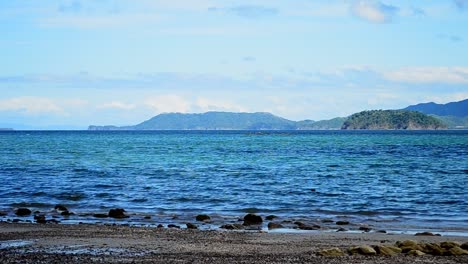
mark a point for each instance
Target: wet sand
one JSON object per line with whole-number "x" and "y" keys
{"x": 52, "y": 243}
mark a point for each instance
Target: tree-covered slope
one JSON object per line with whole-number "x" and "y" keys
{"x": 392, "y": 119}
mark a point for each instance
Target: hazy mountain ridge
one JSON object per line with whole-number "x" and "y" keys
{"x": 458, "y": 109}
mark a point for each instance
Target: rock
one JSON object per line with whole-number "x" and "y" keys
{"x": 23, "y": 212}
{"x": 160, "y": 226}
{"x": 381, "y": 231}
{"x": 232, "y": 226}
{"x": 60, "y": 207}
{"x": 406, "y": 243}
{"x": 271, "y": 217}
{"x": 173, "y": 226}
{"x": 342, "y": 222}
{"x": 252, "y": 219}
{"x": 100, "y": 215}
{"x": 415, "y": 252}
{"x": 331, "y": 252}
{"x": 426, "y": 234}
{"x": 365, "y": 228}
{"x": 191, "y": 226}
{"x": 273, "y": 225}
{"x": 385, "y": 251}
{"x": 303, "y": 226}
{"x": 66, "y": 213}
{"x": 449, "y": 244}
{"x": 203, "y": 217}
{"x": 465, "y": 246}
{"x": 394, "y": 249}
{"x": 433, "y": 249}
{"x": 457, "y": 251}
{"x": 40, "y": 219}
{"x": 342, "y": 229}
{"x": 327, "y": 221}
{"x": 367, "y": 250}
{"x": 362, "y": 250}
{"x": 147, "y": 217}
{"x": 117, "y": 213}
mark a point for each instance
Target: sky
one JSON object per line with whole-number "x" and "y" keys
{"x": 67, "y": 64}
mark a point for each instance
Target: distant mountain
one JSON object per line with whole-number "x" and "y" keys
{"x": 335, "y": 123}
{"x": 392, "y": 119}
{"x": 210, "y": 121}
{"x": 458, "y": 109}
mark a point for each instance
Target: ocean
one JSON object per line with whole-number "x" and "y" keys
{"x": 395, "y": 180}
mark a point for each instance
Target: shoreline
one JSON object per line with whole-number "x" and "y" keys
{"x": 46, "y": 243}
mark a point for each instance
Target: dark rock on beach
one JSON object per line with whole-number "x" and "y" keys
{"x": 191, "y": 226}
{"x": 232, "y": 226}
{"x": 426, "y": 234}
{"x": 117, "y": 213}
{"x": 342, "y": 222}
{"x": 60, "y": 207}
{"x": 173, "y": 226}
{"x": 270, "y": 217}
{"x": 252, "y": 219}
{"x": 101, "y": 215}
{"x": 203, "y": 217}
{"x": 23, "y": 212}
{"x": 365, "y": 228}
{"x": 273, "y": 225}
{"x": 40, "y": 219}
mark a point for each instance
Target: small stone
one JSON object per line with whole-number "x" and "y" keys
{"x": 202, "y": 217}
{"x": 100, "y": 215}
{"x": 385, "y": 251}
{"x": 381, "y": 231}
{"x": 173, "y": 226}
{"x": 273, "y": 225}
{"x": 457, "y": 251}
{"x": 331, "y": 252}
{"x": 365, "y": 229}
{"x": 191, "y": 226}
{"x": 271, "y": 217}
{"x": 40, "y": 219}
{"x": 117, "y": 213}
{"x": 23, "y": 212}
{"x": 342, "y": 222}
{"x": 426, "y": 234}
{"x": 415, "y": 252}
{"x": 60, "y": 207}
{"x": 252, "y": 219}
{"x": 449, "y": 244}
{"x": 232, "y": 226}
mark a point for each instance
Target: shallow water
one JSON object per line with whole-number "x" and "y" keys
{"x": 402, "y": 178}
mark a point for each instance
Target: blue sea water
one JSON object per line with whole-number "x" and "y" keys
{"x": 396, "y": 179}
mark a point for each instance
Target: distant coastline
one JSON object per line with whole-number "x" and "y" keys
{"x": 6, "y": 129}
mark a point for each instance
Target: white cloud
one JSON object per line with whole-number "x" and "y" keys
{"x": 451, "y": 75}
{"x": 117, "y": 105}
{"x": 168, "y": 104}
{"x": 374, "y": 12}
{"x": 31, "y": 105}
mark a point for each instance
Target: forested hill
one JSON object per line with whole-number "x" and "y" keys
{"x": 392, "y": 119}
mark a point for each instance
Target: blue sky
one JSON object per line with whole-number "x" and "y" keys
{"x": 72, "y": 63}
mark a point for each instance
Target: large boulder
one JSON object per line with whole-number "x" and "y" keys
{"x": 202, "y": 217}
{"x": 23, "y": 212}
{"x": 117, "y": 213}
{"x": 457, "y": 251}
{"x": 252, "y": 219}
